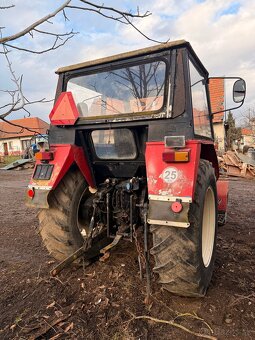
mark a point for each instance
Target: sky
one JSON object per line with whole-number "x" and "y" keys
{"x": 221, "y": 33}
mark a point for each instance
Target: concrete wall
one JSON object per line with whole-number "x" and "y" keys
{"x": 219, "y": 135}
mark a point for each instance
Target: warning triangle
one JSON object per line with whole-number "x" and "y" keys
{"x": 64, "y": 111}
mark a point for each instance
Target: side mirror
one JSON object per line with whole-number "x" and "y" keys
{"x": 231, "y": 90}
{"x": 239, "y": 91}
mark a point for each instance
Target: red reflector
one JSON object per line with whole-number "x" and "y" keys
{"x": 65, "y": 111}
{"x": 176, "y": 207}
{"x": 168, "y": 156}
{"x": 30, "y": 193}
{"x": 173, "y": 155}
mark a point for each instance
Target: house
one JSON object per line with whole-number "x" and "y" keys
{"x": 216, "y": 88}
{"x": 15, "y": 139}
{"x": 247, "y": 137}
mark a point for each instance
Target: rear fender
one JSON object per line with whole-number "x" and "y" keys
{"x": 222, "y": 191}
{"x": 171, "y": 183}
{"x": 180, "y": 182}
{"x": 208, "y": 152}
{"x": 65, "y": 155}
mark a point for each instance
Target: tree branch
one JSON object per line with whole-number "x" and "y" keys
{"x": 98, "y": 12}
{"x": 139, "y": 31}
{"x": 52, "y": 48}
{"x": 56, "y": 34}
{"x": 7, "y": 7}
{"x": 34, "y": 25}
{"x": 18, "y": 100}
{"x": 121, "y": 13}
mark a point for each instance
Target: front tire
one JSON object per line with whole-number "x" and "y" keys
{"x": 184, "y": 257}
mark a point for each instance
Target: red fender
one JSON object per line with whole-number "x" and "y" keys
{"x": 222, "y": 191}
{"x": 64, "y": 156}
{"x": 171, "y": 182}
{"x": 182, "y": 183}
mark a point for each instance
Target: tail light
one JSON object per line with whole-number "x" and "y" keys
{"x": 44, "y": 156}
{"x": 172, "y": 155}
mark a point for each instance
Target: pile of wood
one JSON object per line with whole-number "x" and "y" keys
{"x": 234, "y": 164}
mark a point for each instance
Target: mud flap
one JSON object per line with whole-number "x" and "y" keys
{"x": 40, "y": 199}
{"x": 222, "y": 192}
{"x": 160, "y": 212}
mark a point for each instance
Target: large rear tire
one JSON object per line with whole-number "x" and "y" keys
{"x": 62, "y": 226}
{"x": 184, "y": 257}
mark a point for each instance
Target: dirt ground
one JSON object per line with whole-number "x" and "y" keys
{"x": 103, "y": 300}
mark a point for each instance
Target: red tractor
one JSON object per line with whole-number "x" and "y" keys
{"x": 132, "y": 144}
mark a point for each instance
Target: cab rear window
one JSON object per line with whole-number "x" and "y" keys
{"x": 114, "y": 144}
{"x": 128, "y": 90}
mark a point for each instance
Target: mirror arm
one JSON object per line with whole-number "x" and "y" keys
{"x": 229, "y": 109}
{"x": 237, "y": 78}
{"x": 232, "y": 108}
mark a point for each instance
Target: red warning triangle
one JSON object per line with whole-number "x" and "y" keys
{"x": 64, "y": 111}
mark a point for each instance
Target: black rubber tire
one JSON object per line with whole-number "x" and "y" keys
{"x": 58, "y": 224}
{"x": 178, "y": 251}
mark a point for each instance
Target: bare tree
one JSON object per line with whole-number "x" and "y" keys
{"x": 18, "y": 101}
{"x": 142, "y": 82}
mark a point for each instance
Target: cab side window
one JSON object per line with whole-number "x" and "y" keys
{"x": 202, "y": 126}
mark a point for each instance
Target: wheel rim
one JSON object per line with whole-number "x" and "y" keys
{"x": 208, "y": 226}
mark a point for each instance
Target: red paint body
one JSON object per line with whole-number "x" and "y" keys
{"x": 64, "y": 156}
{"x": 222, "y": 191}
{"x": 184, "y": 184}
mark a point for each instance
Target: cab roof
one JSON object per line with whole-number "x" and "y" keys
{"x": 135, "y": 53}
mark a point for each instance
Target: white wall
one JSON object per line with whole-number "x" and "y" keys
{"x": 16, "y": 145}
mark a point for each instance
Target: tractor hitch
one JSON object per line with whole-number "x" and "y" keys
{"x": 87, "y": 254}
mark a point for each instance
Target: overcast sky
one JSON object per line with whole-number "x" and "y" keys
{"x": 221, "y": 32}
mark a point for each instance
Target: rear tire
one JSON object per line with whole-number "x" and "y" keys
{"x": 184, "y": 257}
{"x": 59, "y": 225}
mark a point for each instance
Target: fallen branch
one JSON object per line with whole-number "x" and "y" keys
{"x": 183, "y": 315}
{"x": 171, "y": 323}
{"x": 194, "y": 316}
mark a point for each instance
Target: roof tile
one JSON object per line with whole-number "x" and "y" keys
{"x": 33, "y": 123}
